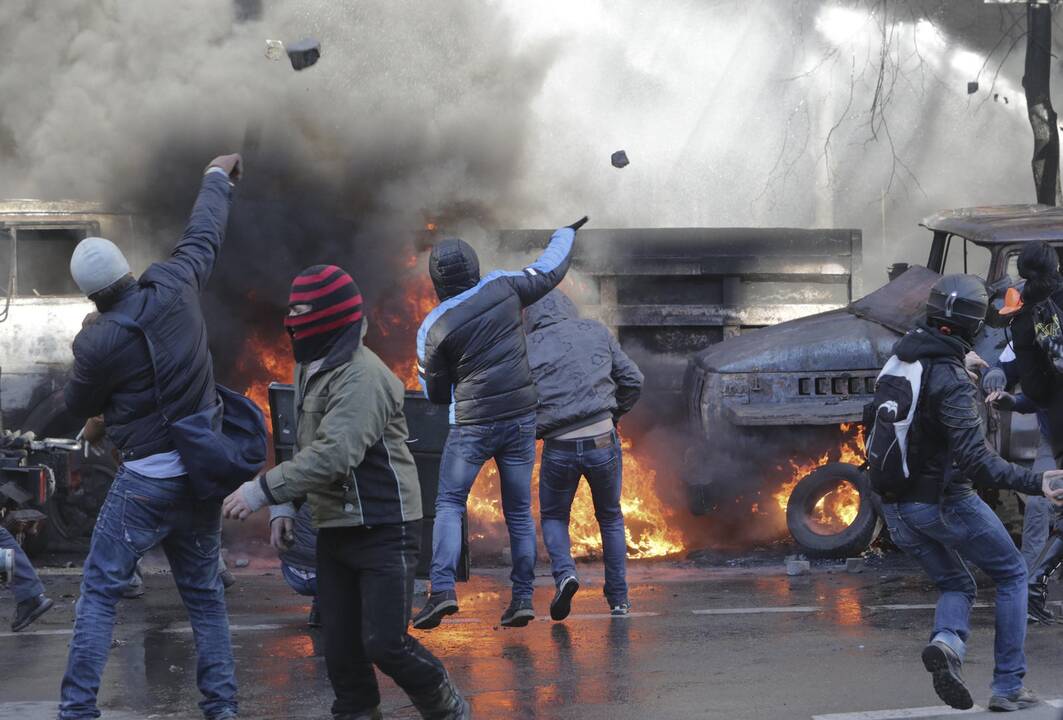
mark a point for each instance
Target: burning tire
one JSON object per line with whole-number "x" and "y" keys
{"x": 830, "y": 512}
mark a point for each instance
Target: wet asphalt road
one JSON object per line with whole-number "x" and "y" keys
{"x": 702, "y": 643}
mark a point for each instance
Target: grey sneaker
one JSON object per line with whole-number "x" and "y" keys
{"x": 439, "y": 605}
{"x": 561, "y": 605}
{"x": 944, "y": 665}
{"x": 620, "y": 609}
{"x": 1020, "y": 700}
{"x": 518, "y": 614}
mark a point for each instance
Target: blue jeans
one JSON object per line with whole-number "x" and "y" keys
{"x": 512, "y": 445}
{"x": 940, "y": 538}
{"x": 563, "y": 464}
{"x": 24, "y": 582}
{"x": 138, "y": 514}
{"x": 1040, "y": 514}
{"x": 301, "y": 581}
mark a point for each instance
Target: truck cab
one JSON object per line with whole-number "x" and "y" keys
{"x": 802, "y": 385}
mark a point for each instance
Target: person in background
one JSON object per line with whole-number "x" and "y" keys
{"x": 30, "y": 600}
{"x": 471, "y": 354}
{"x": 293, "y": 535}
{"x": 941, "y": 522}
{"x": 355, "y": 471}
{"x": 585, "y": 384}
{"x": 150, "y": 502}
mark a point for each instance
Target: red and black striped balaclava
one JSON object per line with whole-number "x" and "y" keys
{"x": 335, "y": 305}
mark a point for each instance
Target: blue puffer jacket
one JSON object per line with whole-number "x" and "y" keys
{"x": 470, "y": 349}
{"x": 112, "y": 371}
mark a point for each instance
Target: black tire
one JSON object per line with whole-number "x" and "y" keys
{"x": 818, "y": 541}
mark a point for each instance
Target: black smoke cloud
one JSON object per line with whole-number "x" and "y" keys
{"x": 416, "y": 111}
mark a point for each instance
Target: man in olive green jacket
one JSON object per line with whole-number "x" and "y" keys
{"x": 353, "y": 467}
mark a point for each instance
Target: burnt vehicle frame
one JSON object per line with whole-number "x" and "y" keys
{"x": 810, "y": 376}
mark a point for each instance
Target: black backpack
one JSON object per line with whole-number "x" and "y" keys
{"x": 890, "y": 420}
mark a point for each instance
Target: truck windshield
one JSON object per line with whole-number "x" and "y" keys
{"x": 963, "y": 256}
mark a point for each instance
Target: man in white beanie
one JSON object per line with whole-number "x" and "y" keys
{"x": 150, "y": 503}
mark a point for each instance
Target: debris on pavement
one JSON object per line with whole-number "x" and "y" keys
{"x": 304, "y": 53}
{"x": 619, "y": 159}
{"x": 274, "y": 50}
{"x": 798, "y": 567}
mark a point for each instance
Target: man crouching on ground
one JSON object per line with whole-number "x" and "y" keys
{"x": 354, "y": 469}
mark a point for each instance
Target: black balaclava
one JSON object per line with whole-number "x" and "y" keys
{"x": 454, "y": 267}
{"x": 335, "y": 305}
{"x": 1039, "y": 265}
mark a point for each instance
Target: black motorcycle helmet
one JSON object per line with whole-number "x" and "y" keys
{"x": 454, "y": 267}
{"x": 959, "y": 303}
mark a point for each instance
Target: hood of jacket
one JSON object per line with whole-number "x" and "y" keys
{"x": 454, "y": 267}
{"x": 924, "y": 342}
{"x": 555, "y": 307}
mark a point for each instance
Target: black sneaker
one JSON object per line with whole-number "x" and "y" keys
{"x": 227, "y": 578}
{"x": 620, "y": 609}
{"x": 1038, "y": 614}
{"x": 944, "y": 664}
{"x": 29, "y": 610}
{"x": 518, "y": 614}
{"x": 439, "y": 605}
{"x": 561, "y": 605}
{"x": 314, "y": 618}
{"x": 1020, "y": 700}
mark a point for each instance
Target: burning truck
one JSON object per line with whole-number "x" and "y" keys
{"x": 691, "y": 303}
{"x": 808, "y": 380}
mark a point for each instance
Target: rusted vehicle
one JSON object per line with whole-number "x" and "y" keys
{"x": 793, "y": 385}
{"x": 41, "y": 311}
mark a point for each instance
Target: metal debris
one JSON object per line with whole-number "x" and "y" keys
{"x": 304, "y": 53}
{"x": 619, "y": 159}
{"x": 274, "y": 50}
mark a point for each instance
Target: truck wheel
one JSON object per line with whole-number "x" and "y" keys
{"x": 820, "y": 512}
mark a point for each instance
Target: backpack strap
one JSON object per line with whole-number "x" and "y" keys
{"x": 131, "y": 324}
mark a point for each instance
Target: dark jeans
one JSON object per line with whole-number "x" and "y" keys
{"x": 303, "y": 585}
{"x": 139, "y": 514}
{"x": 365, "y": 591}
{"x": 563, "y": 464}
{"x": 512, "y": 445}
{"x": 23, "y": 582}
{"x": 941, "y": 537}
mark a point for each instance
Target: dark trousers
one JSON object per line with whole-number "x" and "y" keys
{"x": 24, "y": 582}
{"x": 365, "y": 592}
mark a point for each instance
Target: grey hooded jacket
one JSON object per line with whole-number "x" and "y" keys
{"x": 581, "y": 374}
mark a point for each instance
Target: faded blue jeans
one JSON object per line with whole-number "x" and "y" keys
{"x": 138, "y": 514}
{"x": 23, "y": 582}
{"x": 941, "y": 538}
{"x": 564, "y": 463}
{"x": 511, "y": 443}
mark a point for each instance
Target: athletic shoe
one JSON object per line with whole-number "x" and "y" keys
{"x": 29, "y": 610}
{"x": 519, "y": 613}
{"x": 561, "y": 605}
{"x": 621, "y": 609}
{"x": 944, "y": 664}
{"x": 439, "y": 605}
{"x": 1019, "y": 700}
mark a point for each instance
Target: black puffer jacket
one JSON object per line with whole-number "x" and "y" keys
{"x": 112, "y": 371}
{"x": 1040, "y": 382}
{"x": 952, "y": 448}
{"x": 471, "y": 351}
{"x": 581, "y": 374}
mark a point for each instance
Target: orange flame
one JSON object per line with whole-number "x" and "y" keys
{"x": 393, "y": 324}
{"x": 836, "y": 510}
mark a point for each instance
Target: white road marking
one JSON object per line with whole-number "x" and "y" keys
{"x": 600, "y": 616}
{"x": 900, "y": 713}
{"x": 29, "y": 633}
{"x": 759, "y": 610}
{"x": 180, "y": 629}
{"x": 919, "y": 606}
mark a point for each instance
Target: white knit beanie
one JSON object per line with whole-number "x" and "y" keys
{"x": 96, "y": 264}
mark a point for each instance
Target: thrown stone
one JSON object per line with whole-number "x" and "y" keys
{"x": 304, "y": 53}
{"x": 619, "y": 159}
{"x": 274, "y": 50}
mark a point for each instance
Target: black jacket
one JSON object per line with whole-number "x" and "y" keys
{"x": 581, "y": 374}
{"x": 471, "y": 351}
{"x": 112, "y": 371}
{"x": 952, "y": 448}
{"x": 1040, "y": 382}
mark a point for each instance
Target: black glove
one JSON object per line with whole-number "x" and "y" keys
{"x": 579, "y": 223}
{"x": 1004, "y": 401}
{"x": 994, "y": 379}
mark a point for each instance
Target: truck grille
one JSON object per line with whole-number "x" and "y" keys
{"x": 844, "y": 385}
